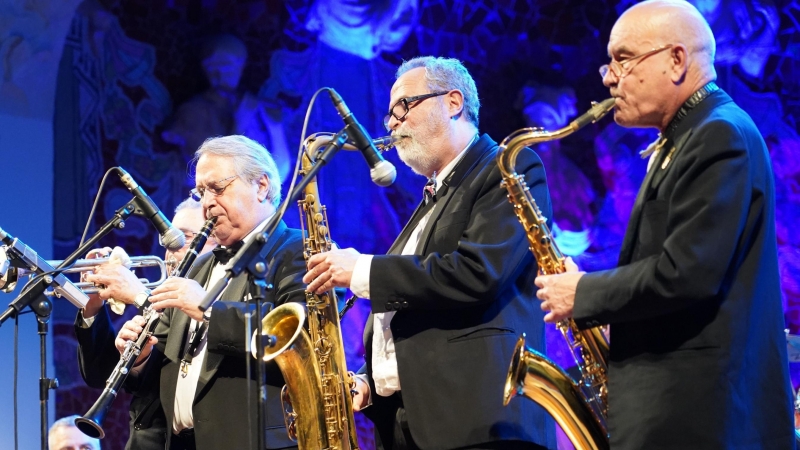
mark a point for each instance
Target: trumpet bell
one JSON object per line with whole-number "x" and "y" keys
{"x": 8, "y": 273}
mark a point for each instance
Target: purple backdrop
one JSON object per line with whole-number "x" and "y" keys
{"x": 128, "y": 67}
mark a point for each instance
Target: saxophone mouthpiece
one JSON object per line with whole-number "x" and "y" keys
{"x": 384, "y": 143}
{"x": 597, "y": 111}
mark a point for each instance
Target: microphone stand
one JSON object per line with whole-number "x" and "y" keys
{"x": 252, "y": 258}
{"x": 35, "y": 298}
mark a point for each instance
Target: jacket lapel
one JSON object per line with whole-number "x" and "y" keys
{"x": 632, "y": 230}
{"x": 656, "y": 174}
{"x": 666, "y": 163}
{"x": 460, "y": 171}
{"x": 179, "y": 321}
{"x": 401, "y": 240}
{"x": 238, "y": 290}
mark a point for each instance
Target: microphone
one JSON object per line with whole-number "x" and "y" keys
{"x": 381, "y": 171}
{"x": 171, "y": 237}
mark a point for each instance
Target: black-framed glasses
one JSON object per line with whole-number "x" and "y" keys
{"x": 622, "y": 69}
{"x": 401, "y": 108}
{"x": 214, "y": 188}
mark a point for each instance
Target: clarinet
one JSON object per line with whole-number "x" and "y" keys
{"x": 91, "y": 424}
{"x": 194, "y": 249}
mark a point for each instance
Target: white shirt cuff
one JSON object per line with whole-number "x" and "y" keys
{"x": 87, "y": 322}
{"x": 359, "y": 283}
{"x": 363, "y": 377}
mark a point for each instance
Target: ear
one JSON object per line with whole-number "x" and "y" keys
{"x": 454, "y": 101}
{"x": 263, "y": 188}
{"x": 680, "y": 63}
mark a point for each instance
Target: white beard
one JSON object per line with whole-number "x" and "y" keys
{"x": 413, "y": 148}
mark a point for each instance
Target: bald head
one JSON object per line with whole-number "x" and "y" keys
{"x": 676, "y": 22}
{"x": 662, "y": 52}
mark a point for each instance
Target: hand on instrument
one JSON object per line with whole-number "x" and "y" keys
{"x": 95, "y": 302}
{"x": 361, "y": 396}
{"x": 130, "y": 332}
{"x": 117, "y": 282}
{"x": 330, "y": 269}
{"x": 181, "y": 293}
{"x": 557, "y": 292}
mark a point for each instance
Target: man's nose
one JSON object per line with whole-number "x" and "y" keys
{"x": 393, "y": 123}
{"x": 207, "y": 201}
{"x": 609, "y": 79}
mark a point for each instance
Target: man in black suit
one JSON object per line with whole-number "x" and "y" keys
{"x": 456, "y": 288}
{"x": 97, "y": 355}
{"x": 209, "y": 398}
{"x": 698, "y": 353}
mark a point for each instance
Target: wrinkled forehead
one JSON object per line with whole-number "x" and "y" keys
{"x": 211, "y": 168}
{"x": 409, "y": 84}
{"x": 631, "y": 35}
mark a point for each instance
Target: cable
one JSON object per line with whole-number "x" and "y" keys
{"x": 94, "y": 205}
{"x": 16, "y": 376}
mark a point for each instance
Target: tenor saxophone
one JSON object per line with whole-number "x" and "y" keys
{"x": 581, "y": 407}
{"x": 317, "y": 397}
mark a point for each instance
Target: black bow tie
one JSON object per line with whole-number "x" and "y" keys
{"x": 224, "y": 254}
{"x": 430, "y": 190}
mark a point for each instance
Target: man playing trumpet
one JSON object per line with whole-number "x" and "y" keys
{"x": 97, "y": 354}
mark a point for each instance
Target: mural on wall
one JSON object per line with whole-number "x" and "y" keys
{"x": 118, "y": 106}
{"x": 154, "y": 80}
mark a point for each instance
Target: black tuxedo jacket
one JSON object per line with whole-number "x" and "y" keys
{"x": 698, "y": 353}
{"x": 462, "y": 300}
{"x": 224, "y": 390}
{"x": 97, "y": 357}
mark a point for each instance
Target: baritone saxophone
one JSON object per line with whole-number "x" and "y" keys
{"x": 581, "y": 407}
{"x": 317, "y": 397}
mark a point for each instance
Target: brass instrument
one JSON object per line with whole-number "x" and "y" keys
{"x": 580, "y": 408}
{"x": 91, "y": 423}
{"x": 9, "y": 274}
{"x": 317, "y": 397}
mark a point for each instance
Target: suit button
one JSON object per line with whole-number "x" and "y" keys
{"x": 390, "y": 306}
{"x": 405, "y": 304}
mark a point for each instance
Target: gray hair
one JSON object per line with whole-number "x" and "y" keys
{"x": 66, "y": 422}
{"x": 188, "y": 203}
{"x": 250, "y": 160}
{"x": 444, "y": 74}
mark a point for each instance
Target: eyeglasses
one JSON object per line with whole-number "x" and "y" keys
{"x": 200, "y": 191}
{"x": 623, "y": 68}
{"x": 401, "y": 108}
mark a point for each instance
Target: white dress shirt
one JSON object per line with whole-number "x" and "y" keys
{"x": 187, "y": 386}
{"x": 384, "y": 359}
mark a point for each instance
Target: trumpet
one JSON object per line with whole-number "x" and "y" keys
{"x": 10, "y": 271}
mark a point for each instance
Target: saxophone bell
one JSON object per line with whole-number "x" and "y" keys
{"x": 579, "y": 407}
{"x": 317, "y": 402}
